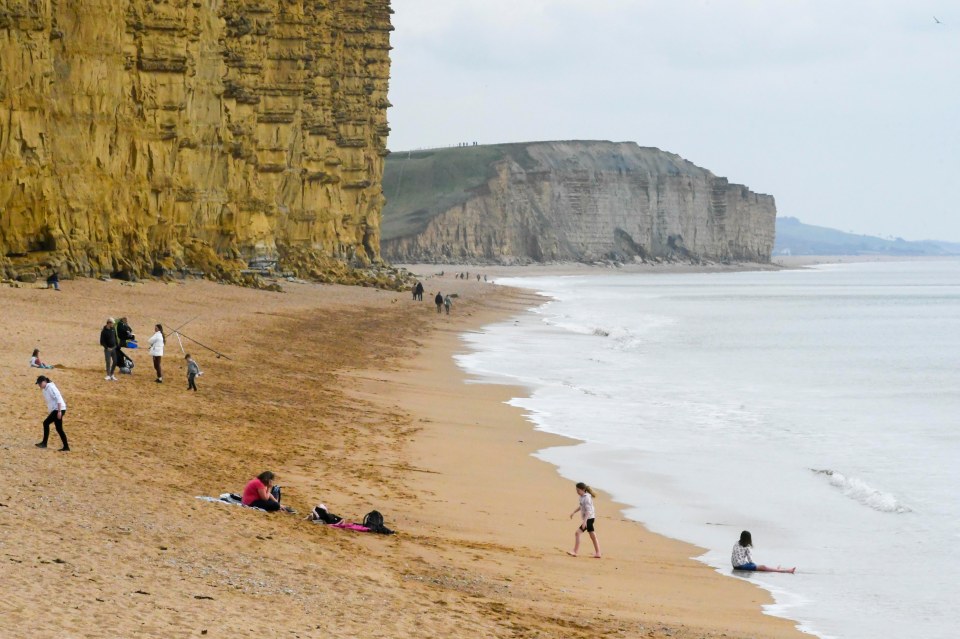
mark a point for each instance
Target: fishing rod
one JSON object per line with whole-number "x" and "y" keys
{"x": 215, "y": 352}
{"x": 181, "y": 326}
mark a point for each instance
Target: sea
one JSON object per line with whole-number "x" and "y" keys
{"x": 818, "y": 408}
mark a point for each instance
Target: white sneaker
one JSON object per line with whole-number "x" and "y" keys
{"x": 114, "y": 378}
{"x": 108, "y": 378}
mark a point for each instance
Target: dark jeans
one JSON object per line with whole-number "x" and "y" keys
{"x": 157, "y": 366}
{"x": 268, "y": 504}
{"x": 191, "y": 381}
{"x": 58, "y": 423}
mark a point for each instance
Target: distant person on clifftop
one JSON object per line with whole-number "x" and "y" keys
{"x": 109, "y": 341}
{"x": 587, "y": 517}
{"x": 438, "y": 300}
{"x": 741, "y": 559}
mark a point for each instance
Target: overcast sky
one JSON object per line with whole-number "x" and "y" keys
{"x": 848, "y": 112}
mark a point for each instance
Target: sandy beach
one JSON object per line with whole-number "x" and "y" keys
{"x": 352, "y": 398}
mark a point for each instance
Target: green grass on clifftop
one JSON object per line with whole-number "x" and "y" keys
{"x": 419, "y": 185}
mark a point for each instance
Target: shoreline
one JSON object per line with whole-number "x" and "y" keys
{"x": 504, "y": 434}
{"x": 352, "y": 397}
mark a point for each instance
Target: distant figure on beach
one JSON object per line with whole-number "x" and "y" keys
{"x": 260, "y": 492}
{"x": 587, "y": 516}
{"x": 193, "y": 370}
{"x": 447, "y": 303}
{"x": 53, "y": 281}
{"x": 741, "y": 559}
{"x": 438, "y": 300}
{"x": 156, "y": 351}
{"x": 35, "y": 360}
{"x": 57, "y": 408}
{"x": 108, "y": 340}
{"x": 418, "y": 292}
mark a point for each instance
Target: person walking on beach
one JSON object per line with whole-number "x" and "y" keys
{"x": 741, "y": 559}
{"x": 192, "y": 371}
{"x": 418, "y": 292}
{"x": 156, "y": 351}
{"x": 447, "y": 303}
{"x": 57, "y": 408}
{"x": 108, "y": 340}
{"x": 260, "y": 492}
{"x": 438, "y": 300}
{"x": 587, "y": 516}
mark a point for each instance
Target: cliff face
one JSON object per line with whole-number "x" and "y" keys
{"x": 145, "y": 134}
{"x": 580, "y": 201}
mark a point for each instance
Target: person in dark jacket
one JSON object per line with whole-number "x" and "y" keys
{"x": 418, "y": 292}
{"x": 124, "y": 335}
{"x": 109, "y": 342}
{"x": 438, "y": 300}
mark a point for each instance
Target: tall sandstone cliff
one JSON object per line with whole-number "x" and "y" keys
{"x": 581, "y": 201}
{"x": 139, "y": 135}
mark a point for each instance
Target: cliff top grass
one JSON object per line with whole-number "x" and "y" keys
{"x": 419, "y": 185}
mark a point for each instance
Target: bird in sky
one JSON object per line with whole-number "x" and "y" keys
{"x": 936, "y": 20}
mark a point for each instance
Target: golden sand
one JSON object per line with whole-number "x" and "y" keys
{"x": 351, "y": 397}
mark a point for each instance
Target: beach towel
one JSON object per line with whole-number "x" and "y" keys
{"x": 230, "y": 499}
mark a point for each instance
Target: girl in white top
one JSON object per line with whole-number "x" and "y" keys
{"x": 587, "y": 517}
{"x": 741, "y": 559}
{"x": 156, "y": 350}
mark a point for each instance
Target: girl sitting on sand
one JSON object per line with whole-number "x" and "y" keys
{"x": 587, "y": 516}
{"x": 260, "y": 492}
{"x": 742, "y": 560}
{"x": 35, "y": 360}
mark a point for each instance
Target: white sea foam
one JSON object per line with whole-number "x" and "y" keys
{"x": 861, "y": 491}
{"x": 709, "y": 398}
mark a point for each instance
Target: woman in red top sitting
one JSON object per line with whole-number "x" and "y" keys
{"x": 261, "y": 493}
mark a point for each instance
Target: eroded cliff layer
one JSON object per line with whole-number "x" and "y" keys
{"x": 139, "y": 135}
{"x": 582, "y": 201}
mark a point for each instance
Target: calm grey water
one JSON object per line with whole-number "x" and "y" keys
{"x": 817, "y": 408}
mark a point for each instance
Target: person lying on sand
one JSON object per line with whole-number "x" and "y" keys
{"x": 261, "y": 492}
{"x": 742, "y": 560}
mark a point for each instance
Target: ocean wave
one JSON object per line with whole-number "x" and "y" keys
{"x": 861, "y": 491}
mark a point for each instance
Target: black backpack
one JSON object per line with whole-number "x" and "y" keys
{"x": 374, "y": 521}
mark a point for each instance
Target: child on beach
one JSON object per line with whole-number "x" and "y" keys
{"x": 35, "y": 360}
{"x": 587, "y": 516}
{"x": 193, "y": 370}
{"x": 741, "y": 559}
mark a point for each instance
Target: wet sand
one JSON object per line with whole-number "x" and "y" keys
{"x": 351, "y": 397}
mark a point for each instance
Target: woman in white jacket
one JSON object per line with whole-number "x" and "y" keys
{"x": 156, "y": 350}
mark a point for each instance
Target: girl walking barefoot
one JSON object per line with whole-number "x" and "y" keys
{"x": 587, "y": 516}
